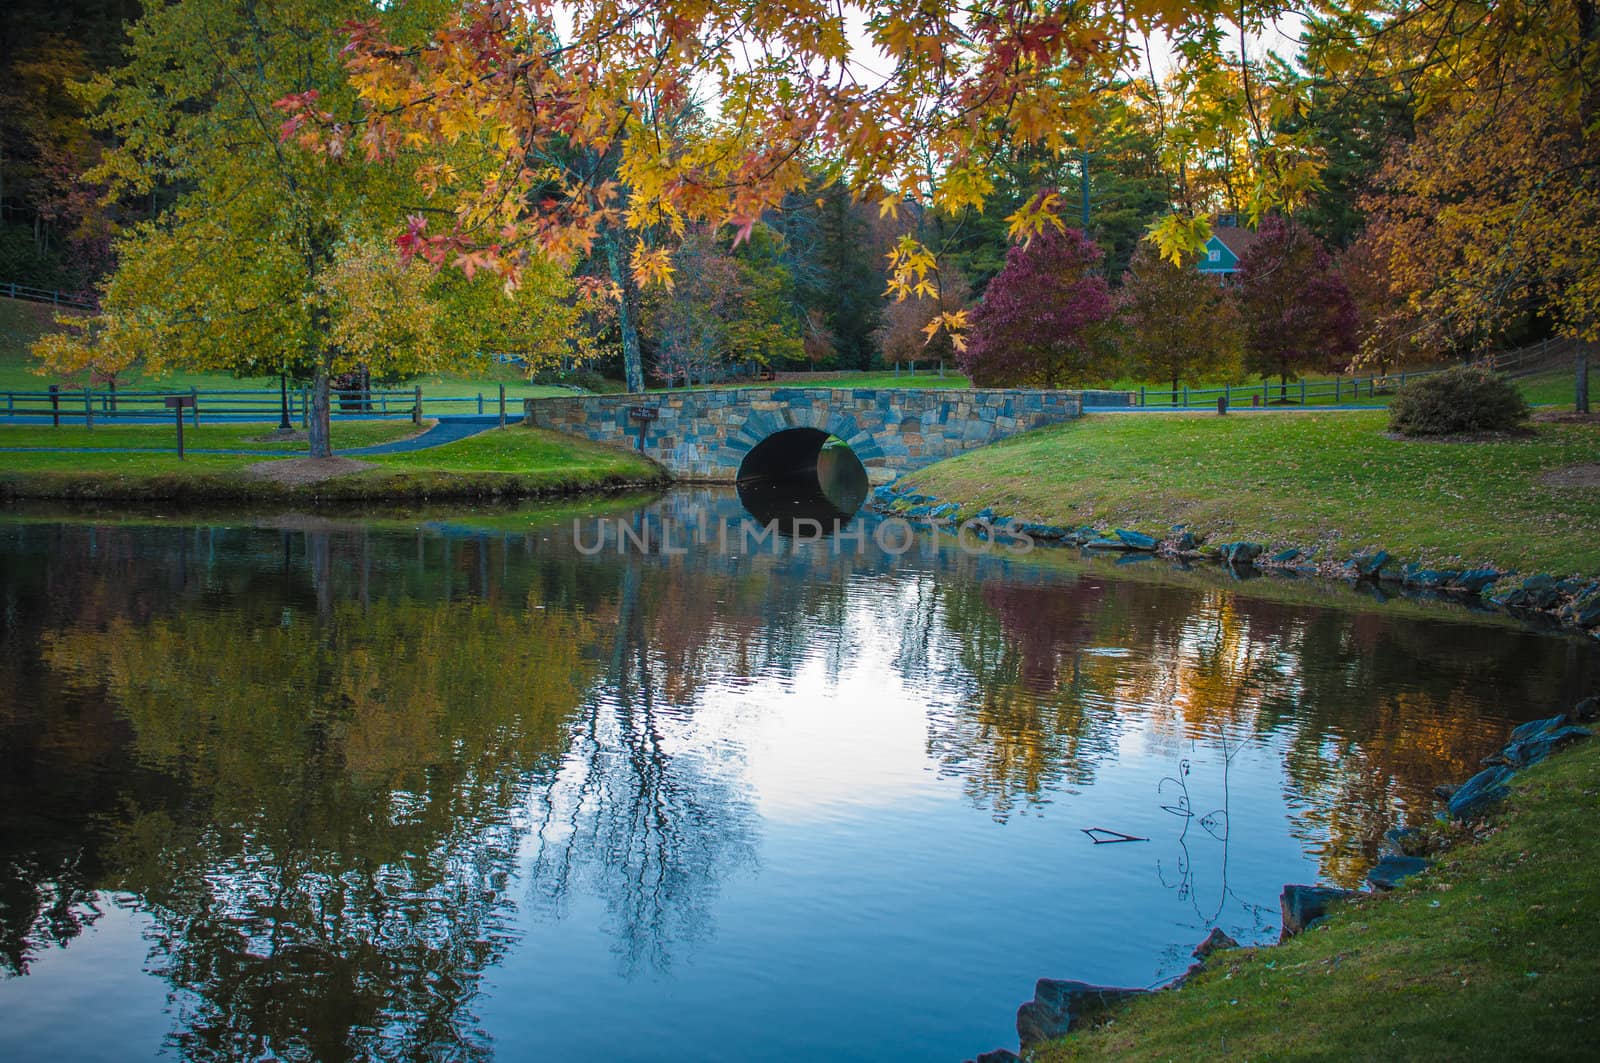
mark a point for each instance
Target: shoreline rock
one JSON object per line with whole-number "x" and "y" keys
{"x": 1059, "y": 1007}
{"x": 1572, "y": 603}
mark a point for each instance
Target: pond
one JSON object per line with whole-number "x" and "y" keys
{"x": 623, "y": 783}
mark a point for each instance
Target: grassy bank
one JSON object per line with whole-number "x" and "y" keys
{"x": 1331, "y": 480}
{"x": 1492, "y": 954}
{"x": 217, "y": 436}
{"x": 501, "y": 463}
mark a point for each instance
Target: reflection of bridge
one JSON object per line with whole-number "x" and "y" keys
{"x": 708, "y": 434}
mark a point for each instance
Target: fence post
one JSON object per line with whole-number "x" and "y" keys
{"x": 194, "y": 393}
{"x": 55, "y": 405}
{"x": 1141, "y": 394}
{"x": 305, "y": 407}
{"x": 1227, "y": 394}
{"x": 503, "y": 406}
{"x": 1338, "y": 383}
{"x": 1302, "y": 391}
{"x": 480, "y": 404}
{"x": 1186, "y": 396}
{"x": 1402, "y": 379}
{"x": 88, "y": 409}
{"x": 1266, "y": 394}
{"x": 416, "y": 409}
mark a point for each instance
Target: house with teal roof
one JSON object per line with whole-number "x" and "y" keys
{"x": 1222, "y": 252}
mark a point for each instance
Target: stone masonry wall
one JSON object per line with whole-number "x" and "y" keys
{"x": 705, "y": 434}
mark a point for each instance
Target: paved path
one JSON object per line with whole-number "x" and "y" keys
{"x": 447, "y": 430}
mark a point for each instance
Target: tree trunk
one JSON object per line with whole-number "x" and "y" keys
{"x": 1582, "y": 381}
{"x": 1174, "y": 391}
{"x": 319, "y": 427}
{"x": 632, "y": 365}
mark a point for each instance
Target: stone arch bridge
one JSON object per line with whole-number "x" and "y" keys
{"x": 722, "y": 434}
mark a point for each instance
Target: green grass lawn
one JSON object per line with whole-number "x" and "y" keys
{"x": 218, "y": 436}
{"x": 1493, "y": 954}
{"x": 521, "y": 450}
{"x": 1331, "y": 480}
{"x": 508, "y": 462}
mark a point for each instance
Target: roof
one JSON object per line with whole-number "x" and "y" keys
{"x": 1235, "y": 239}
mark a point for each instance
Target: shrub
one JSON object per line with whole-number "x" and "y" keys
{"x": 1458, "y": 400}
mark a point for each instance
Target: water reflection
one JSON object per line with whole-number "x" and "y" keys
{"x": 351, "y": 770}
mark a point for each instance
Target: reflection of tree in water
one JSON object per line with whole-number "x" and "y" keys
{"x": 1026, "y": 721}
{"x": 633, "y": 813}
{"x": 1210, "y": 832}
{"x": 327, "y": 872}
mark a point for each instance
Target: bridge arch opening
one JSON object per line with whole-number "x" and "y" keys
{"x": 802, "y": 473}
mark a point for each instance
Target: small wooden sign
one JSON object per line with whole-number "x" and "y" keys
{"x": 177, "y": 404}
{"x": 643, "y": 413}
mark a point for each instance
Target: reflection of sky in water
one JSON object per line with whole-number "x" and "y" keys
{"x": 804, "y": 806}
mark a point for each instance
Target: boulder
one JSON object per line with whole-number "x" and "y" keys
{"x": 999, "y": 1055}
{"x": 1584, "y": 711}
{"x": 1371, "y": 565}
{"x": 1283, "y": 557}
{"x": 1215, "y": 941}
{"x": 1186, "y": 542}
{"x": 1475, "y": 580}
{"x": 1240, "y": 553}
{"x": 1389, "y": 872}
{"x": 1045, "y": 531}
{"x": 1059, "y": 1007}
{"x": 1445, "y": 791}
{"x": 1136, "y": 540}
{"x": 1481, "y": 793}
{"x": 1536, "y": 592}
{"x": 1531, "y": 751}
{"x": 1535, "y": 728}
{"x": 1586, "y": 611}
{"x": 1402, "y": 841}
{"x": 1429, "y": 578}
{"x": 1304, "y": 905}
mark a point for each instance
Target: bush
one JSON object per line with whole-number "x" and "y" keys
{"x": 1458, "y": 400}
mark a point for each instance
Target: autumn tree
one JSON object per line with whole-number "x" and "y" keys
{"x": 726, "y": 306}
{"x": 1296, "y": 311}
{"x": 1390, "y": 332}
{"x": 1038, "y": 324}
{"x": 1177, "y": 323}
{"x": 1493, "y": 215}
{"x": 910, "y": 331}
{"x": 54, "y": 231}
{"x": 580, "y": 103}
{"x": 265, "y": 262}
